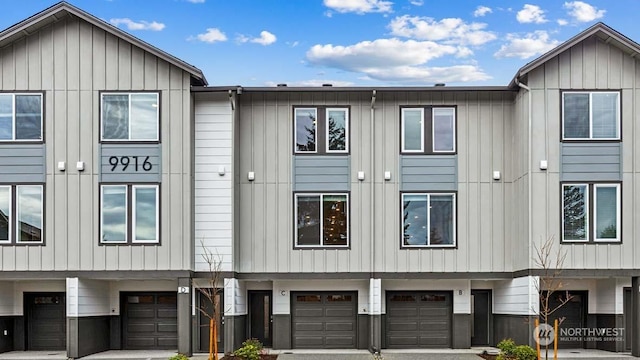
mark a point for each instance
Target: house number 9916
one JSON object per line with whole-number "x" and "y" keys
{"x": 136, "y": 162}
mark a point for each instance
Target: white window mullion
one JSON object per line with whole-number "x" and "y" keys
{"x": 129, "y": 97}
{"x": 591, "y": 116}
{"x": 13, "y": 117}
{"x": 321, "y": 227}
{"x": 428, "y": 202}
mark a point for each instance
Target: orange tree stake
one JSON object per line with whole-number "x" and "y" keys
{"x": 537, "y": 336}
{"x": 555, "y": 340}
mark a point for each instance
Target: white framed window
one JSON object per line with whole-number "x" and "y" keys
{"x": 21, "y": 118}
{"x": 129, "y": 214}
{"x": 428, "y": 130}
{"x": 428, "y": 220}
{"x": 130, "y": 116}
{"x": 591, "y": 212}
{"x": 591, "y": 115}
{"x": 412, "y": 130}
{"x": 22, "y": 214}
{"x": 322, "y": 220}
{"x": 321, "y": 130}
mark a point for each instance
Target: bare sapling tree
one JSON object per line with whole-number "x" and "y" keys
{"x": 549, "y": 263}
{"x": 209, "y": 305}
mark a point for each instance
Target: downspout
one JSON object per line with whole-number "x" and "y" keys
{"x": 374, "y": 349}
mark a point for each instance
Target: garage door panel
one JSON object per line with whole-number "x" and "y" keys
{"x": 309, "y": 312}
{"x": 141, "y": 313}
{"x": 341, "y": 341}
{"x": 308, "y": 341}
{"x": 141, "y": 342}
{"x": 339, "y": 312}
{"x": 141, "y": 328}
{"x": 168, "y": 342}
{"x": 168, "y": 313}
{"x": 309, "y": 326}
{"x": 167, "y": 328}
{"x": 419, "y": 319}
{"x": 339, "y": 326}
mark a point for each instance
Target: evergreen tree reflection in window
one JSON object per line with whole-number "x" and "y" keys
{"x": 575, "y": 212}
{"x": 306, "y": 124}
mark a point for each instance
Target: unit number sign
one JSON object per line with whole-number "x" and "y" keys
{"x": 137, "y": 163}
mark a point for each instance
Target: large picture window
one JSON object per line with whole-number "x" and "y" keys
{"x": 130, "y": 116}
{"x": 21, "y": 214}
{"x": 428, "y": 130}
{"x": 322, "y": 220}
{"x": 428, "y": 220}
{"x": 321, "y": 130}
{"x": 20, "y": 117}
{"x": 591, "y": 212}
{"x": 590, "y": 115}
{"x": 129, "y": 214}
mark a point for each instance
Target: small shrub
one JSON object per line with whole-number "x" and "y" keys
{"x": 507, "y": 347}
{"x": 179, "y": 357}
{"x": 525, "y": 352}
{"x": 250, "y": 350}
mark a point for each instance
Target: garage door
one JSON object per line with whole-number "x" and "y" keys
{"x": 324, "y": 320}
{"x": 150, "y": 321}
{"x": 46, "y": 321}
{"x": 419, "y": 319}
{"x": 573, "y": 313}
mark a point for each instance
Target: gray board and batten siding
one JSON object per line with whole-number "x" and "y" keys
{"x": 22, "y": 163}
{"x": 428, "y": 172}
{"x": 591, "y": 161}
{"x": 139, "y": 158}
{"x": 321, "y": 172}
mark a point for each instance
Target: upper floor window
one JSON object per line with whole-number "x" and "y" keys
{"x": 428, "y": 130}
{"x": 20, "y": 117}
{"x": 428, "y": 220}
{"x": 322, "y": 220}
{"x": 590, "y": 115}
{"x": 130, "y": 116}
{"x": 21, "y": 214}
{"x": 591, "y": 212}
{"x": 129, "y": 214}
{"x": 321, "y": 130}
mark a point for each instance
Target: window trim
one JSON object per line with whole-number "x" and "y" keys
{"x": 13, "y": 223}
{"x": 130, "y": 141}
{"x": 427, "y": 130}
{"x": 591, "y": 237}
{"x": 454, "y": 194}
{"x": 42, "y": 119}
{"x": 322, "y": 130}
{"x": 346, "y": 129}
{"x": 130, "y": 215}
{"x": 295, "y": 220}
{"x": 591, "y": 138}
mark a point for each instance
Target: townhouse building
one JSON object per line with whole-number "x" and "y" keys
{"x": 340, "y": 217}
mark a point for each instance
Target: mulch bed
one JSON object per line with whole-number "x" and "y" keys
{"x": 262, "y": 357}
{"x": 488, "y": 356}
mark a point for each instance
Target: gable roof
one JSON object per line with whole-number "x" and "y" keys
{"x": 606, "y": 33}
{"x": 62, "y": 9}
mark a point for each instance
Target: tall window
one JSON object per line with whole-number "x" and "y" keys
{"x": 21, "y": 214}
{"x": 321, "y": 130}
{"x": 591, "y": 212}
{"x": 428, "y": 220}
{"x": 428, "y": 130}
{"x": 322, "y": 220}
{"x": 130, "y": 116}
{"x": 590, "y": 115}
{"x": 20, "y": 117}
{"x": 129, "y": 214}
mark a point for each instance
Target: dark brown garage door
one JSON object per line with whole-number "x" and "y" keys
{"x": 46, "y": 321}
{"x": 419, "y": 319}
{"x": 324, "y": 320}
{"x": 573, "y": 313}
{"x": 150, "y": 321}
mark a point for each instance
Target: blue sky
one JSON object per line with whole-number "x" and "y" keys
{"x": 352, "y": 42}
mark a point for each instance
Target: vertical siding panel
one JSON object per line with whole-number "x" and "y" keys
{"x": 472, "y": 222}
{"x": 576, "y": 67}
{"x": 464, "y": 124}
{"x": 60, "y": 55}
{"x": 616, "y": 67}
{"x": 258, "y": 120}
{"x": 552, "y": 120}
{"x": 163, "y": 70}
{"x": 88, "y": 228}
{"x": 73, "y": 54}
{"x": 270, "y": 226}
{"x": 552, "y": 80}
{"x": 111, "y": 62}
{"x": 72, "y": 142}
{"x": 124, "y": 257}
{"x": 590, "y": 66}
{"x": 484, "y": 138}
{"x": 246, "y": 240}
{"x": 59, "y": 214}
{"x": 259, "y": 214}
{"x": 124, "y": 65}
{"x": 497, "y": 214}
{"x": 628, "y": 123}
{"x": 8, "y": 69}
{"x": 73, "y": 245}
{"x": 187, "y": 139}
{"x": 285, "y": 229}
{"x": 536, "y": 78}
{"x": 22, "y": 259}
{"x": 21, "y": 65}
{"x": 85, "y": 56}
{"x": 150, "y": 71}
{"x": 174, "y": 238}
{"x": 564, "y": 69}
{"x": 137, "y": 68}
{"x": 102, "y": 54}
{"x": 628, "y": 71}
{"x": 473, "y": 153}
{"x": 150, "y": 256}
{"x": 284, "y": 139}
{"x": 602, "y": 65}
{"x": 628, "y": 225}
{"x": 270, "y": 137}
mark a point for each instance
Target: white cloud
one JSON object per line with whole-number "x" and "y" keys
{"x": 531, "y": 44}
{"x": 266, "y": 38}
{"x": 482, "y": 11}
{"x": 311, "y": 83}
{"x": 417, "y": 2}
{"x": 583, "y": 12}
{"x": 450, "y": 31}
{"x": 531, "y": 14}
{"x": 139, "y": 25}
{"x": 395, "y": 60}
{"x": 211, "y": 36}
{"x": 359, "y": 6}
{"x": 562, "y": 22}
